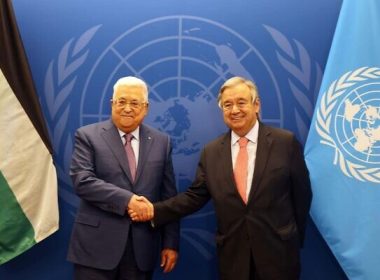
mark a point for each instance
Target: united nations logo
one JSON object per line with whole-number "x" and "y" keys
{"x": 184, "y": 60}
{"x": 348, "y": 120}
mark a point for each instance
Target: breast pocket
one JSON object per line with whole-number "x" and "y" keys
{"x": 281, "y": 171}
{"x": 154, "y": 167}
{"x": 153, "y": 172}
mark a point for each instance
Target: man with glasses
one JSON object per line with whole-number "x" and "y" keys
{"x": 259, "y": 184}
{"x": 114, "y": 162}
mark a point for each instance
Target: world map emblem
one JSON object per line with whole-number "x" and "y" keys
{"x": 348, "y": 119}
{"x": 184, "y": 60}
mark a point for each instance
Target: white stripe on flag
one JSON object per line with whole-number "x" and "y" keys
{"x": 27, "y": 165}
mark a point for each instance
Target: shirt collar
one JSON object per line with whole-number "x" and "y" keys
{"x": 135, "y": 133}
{"x": 252, "y": 135}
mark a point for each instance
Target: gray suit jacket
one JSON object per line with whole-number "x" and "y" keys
{"x": 271, "y": 226}
{"x": 102, "y": 180}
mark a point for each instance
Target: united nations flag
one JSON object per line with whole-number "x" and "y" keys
{"x": 343, "y": 147}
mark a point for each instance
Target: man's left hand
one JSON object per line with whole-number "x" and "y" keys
{"x": 168, "y": 259}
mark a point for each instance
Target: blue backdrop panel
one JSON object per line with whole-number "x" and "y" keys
{"x": 184, "y": 50}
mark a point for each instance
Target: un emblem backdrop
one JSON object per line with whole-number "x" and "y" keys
{"x": 348, "y": 120}
{"x": 184, "y": 51}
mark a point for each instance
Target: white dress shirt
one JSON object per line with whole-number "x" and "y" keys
{"x": 252, "y": 136}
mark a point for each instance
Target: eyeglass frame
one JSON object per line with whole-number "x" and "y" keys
{"x": 134, "y": 104}
{"x": 240, "y": 104}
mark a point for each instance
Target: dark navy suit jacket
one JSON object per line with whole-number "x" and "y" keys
{"x": 102, "y": 180}
{"x": 271, "y": 227}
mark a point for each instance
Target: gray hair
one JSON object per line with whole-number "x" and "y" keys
{"x": 131, "y": 81}
{"x": 234, "y": 81}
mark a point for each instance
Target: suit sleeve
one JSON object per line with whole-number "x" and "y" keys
{"x": 301, "y": 189}
{"x": 170, "y": 232}
{"x": 88, "y": 186}
{"x": 193, "y": 199}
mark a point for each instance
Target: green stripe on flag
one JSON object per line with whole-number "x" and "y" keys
{"x": 16, "y": 232}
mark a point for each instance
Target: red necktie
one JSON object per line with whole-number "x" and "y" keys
{"x": 241, "y": 169}
{"x": 130, "y": 155}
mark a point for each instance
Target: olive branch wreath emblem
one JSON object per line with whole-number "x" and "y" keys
{"x": 60, "y": 79}
{"x": 304, "y": 79}
{"x": 323, "y": 123}
{"x": 297, "y": 62}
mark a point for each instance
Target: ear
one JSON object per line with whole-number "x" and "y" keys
{"x": 257, "y": 105}
{"x": 146, "y": 109}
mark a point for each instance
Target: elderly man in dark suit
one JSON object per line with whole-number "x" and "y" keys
{"x": 258, "y": 181}
{"x": 114, "y": 162}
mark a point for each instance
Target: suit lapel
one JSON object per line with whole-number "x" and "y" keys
{"x": 146, "y": 143}
{"x": 264, "y": 143}
{"x": 112, "y": 137}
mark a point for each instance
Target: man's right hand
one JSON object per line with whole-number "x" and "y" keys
{"x": 140, "y": 209}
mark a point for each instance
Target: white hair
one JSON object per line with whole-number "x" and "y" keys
{"x": 131, "y": 81}
{"x": 234, "y": 81}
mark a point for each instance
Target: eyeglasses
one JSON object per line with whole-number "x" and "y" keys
{"x": 241, "y": 104}
{"x": 134, "y": 104}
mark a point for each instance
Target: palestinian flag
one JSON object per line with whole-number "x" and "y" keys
{"x": 28, "y": 180}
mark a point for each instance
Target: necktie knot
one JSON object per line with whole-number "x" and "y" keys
{"x": 128, "y": 137}
{"x": 243, "y": 142}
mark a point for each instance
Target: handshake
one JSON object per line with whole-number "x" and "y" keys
{"x": 140, "y": 209}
